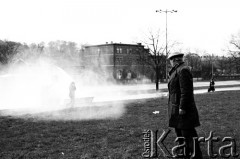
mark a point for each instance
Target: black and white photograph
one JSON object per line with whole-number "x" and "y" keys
{"x": 119, "y": 79}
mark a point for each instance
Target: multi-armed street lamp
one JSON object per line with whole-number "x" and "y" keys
{"x": 166, "y": 11}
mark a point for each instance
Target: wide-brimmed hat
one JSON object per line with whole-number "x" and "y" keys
{"x": 175, "y": 54}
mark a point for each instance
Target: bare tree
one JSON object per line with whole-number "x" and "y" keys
{"x": 63, "y": 50}
{"x": 29, "y": 52}
{"x": 8, "y": 49}
{"x": 194, "y": 61}
{"x": 209, "y": 63}
{"x": 234, "y": 51}
{"x": 222, "y": 64}
{"x": 155, "y": 57}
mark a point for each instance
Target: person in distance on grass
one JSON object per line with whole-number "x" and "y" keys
{"x": 182, "y": 110}
{"x": 211, "y": 86}
{"x": 72, "y": 89}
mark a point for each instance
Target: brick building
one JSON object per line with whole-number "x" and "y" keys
{"x": 120, "y": 61}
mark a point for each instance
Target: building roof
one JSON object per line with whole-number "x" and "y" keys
{"x": 120, "y": 44}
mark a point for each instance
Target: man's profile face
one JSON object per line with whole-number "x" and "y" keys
{"x": 171, "y": 62}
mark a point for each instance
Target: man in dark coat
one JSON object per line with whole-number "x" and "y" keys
{"x": 183, "y": 114}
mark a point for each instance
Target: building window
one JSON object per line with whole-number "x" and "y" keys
{"x": 119, "y": 61}
{"x": 130, "y": 51}
{"x": 119, "y": 50}
{"x": 130, "y": 60}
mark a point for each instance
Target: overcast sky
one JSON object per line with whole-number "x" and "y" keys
{"x": 198, "y": 24}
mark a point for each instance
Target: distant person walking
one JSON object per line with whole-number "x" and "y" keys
{"x": 183, "y": 114}
{"x": 72, "y": 89}
{"x": 211, "y": 86}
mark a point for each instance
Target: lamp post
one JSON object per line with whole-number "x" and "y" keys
{"x": 166, "y": 11}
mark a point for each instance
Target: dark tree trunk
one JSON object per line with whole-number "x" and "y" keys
{"x": 157, "y": 77}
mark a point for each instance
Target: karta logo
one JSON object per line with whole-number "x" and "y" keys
{"x": 152, "y": 144}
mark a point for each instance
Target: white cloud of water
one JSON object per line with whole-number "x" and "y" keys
{"x": 40, "y": 89}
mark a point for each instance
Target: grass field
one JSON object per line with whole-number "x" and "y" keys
{"x": 115, "y": 138}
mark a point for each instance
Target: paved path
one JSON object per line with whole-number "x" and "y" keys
{"x": 161, "y": 86}
{"x": 125, "y": 96}
{"x": 151, "y": 95}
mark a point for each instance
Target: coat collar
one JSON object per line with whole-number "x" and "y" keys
{"x": 174, "y": 68}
